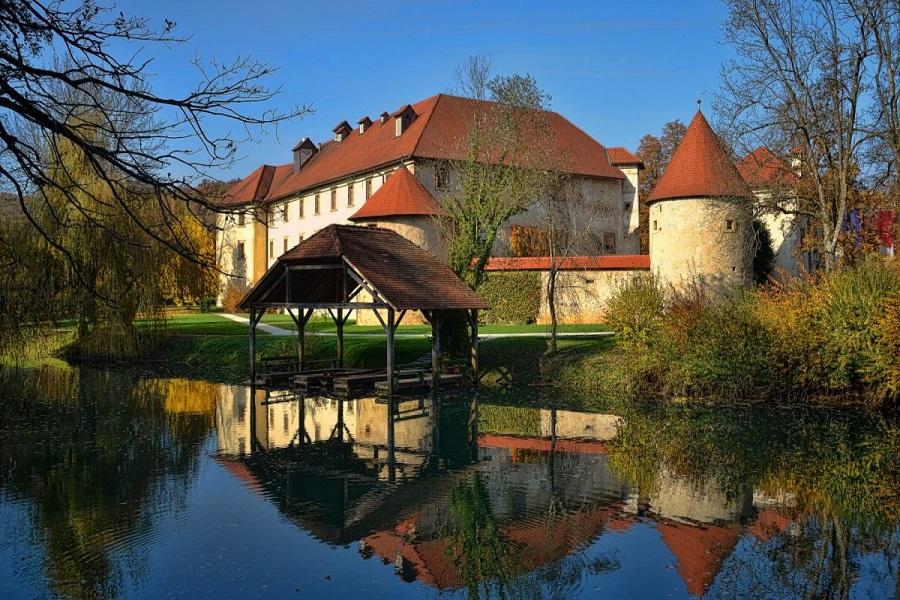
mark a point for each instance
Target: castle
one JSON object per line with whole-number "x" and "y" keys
{"x": 398, "y": 170}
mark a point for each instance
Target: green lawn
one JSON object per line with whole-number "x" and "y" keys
{"x": 285, "y": 322}
{"x": 216, "y": 324}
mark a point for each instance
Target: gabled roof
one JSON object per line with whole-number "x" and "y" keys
{"x": 404, "y": 275}
{"x": 440, "y": 131}
{"x": 619, "y": 155}
{"x": 700, "y": 168}
{"x": 762, "y": 169}
{"x": 401, "y": 195}
{"x": 256, "y": 186}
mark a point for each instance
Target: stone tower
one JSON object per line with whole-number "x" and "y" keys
{"x": 700, "y": 218}
{"x": 403, "y": 205}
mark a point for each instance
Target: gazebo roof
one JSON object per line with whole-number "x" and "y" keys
{"x": 323, "y": 270}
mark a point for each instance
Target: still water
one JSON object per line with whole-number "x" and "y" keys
{"x": 121, "y": 485}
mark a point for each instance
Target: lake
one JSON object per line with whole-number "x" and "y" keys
{"x": 121, "y": 484}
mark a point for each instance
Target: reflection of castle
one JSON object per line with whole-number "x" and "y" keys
{"x": 548, "y": 496}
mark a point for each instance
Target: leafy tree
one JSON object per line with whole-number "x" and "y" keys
{"x": 655, "y": 152}
{"x": 505, "y": 168}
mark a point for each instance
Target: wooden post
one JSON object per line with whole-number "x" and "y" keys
{"x": 301, "y": 339}
{"x": 340, "y": 336}
{"x": 390, "y": 356}
{"x": 435, "y": 349}
{"x": 252, "y": 347}
{"x": 474, "y": 345}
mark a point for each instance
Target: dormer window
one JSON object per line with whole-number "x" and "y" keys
{"x": 364, "y": 124}
{"x": 341, "y": 131}
{"x": 384, "y": 117}
{"x": 303, "y": 151}
{"x": 403, "y": 118}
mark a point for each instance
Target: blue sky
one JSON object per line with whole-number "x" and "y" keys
{"x": 618, "y": 69}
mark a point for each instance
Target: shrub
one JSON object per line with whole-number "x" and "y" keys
{"x": 232, "y": 296}
{"x": 635, "y": 309}
{"x": 828, "y": 338}
{"x": 515, "y": 297}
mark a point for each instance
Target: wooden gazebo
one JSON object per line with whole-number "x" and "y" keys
{"x": 344, "y": 268}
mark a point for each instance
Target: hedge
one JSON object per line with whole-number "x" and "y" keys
{"x": 515, "y": 297}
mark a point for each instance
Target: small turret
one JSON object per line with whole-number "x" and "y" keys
{"x": 700, "y": 216}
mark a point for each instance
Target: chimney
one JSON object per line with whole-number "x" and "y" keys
{"x": 303, "y": 151}
{"x": 341, "y": 130}
{"x": 364, "y": 124}
{"x": 384, "y": 117}
{"x": 403, "y": 118}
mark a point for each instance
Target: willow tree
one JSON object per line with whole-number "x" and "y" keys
{"x": 63, "y": 63}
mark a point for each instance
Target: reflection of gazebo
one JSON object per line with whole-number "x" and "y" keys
{"x": 340, "y": 265}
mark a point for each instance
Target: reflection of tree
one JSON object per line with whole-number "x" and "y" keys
{"x": 839, "y": 472}
{"x": 477, "y": 548}
{"x": 98, "y": 456}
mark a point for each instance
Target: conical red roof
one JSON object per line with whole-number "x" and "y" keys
{"x": 401, "y": 195}
{"x": 700, "y": 168}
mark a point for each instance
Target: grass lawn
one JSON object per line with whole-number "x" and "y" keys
{"x": 216, "y": 324}
{"x": 504, "y": 361}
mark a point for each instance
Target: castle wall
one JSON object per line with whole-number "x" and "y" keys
{"x": 581, "y": 296}
{"x": 703, "y": 240}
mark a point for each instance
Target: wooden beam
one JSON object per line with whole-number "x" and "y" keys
{"x": 314, "y": 267}
{"x": 320, "y": 305}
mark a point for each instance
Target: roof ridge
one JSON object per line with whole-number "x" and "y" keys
{"x": 439, "y": 96}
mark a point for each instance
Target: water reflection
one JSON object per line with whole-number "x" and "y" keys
{"x": 105, "y": 474}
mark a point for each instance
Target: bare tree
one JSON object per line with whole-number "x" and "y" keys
{"x": 799, "y": 81}
{"x": 570, "y": 220}
{"x": 59, "y": 63}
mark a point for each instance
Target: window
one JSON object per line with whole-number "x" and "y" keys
{"x": 729, "y": 225}
{"x": 609, "y": 243}
{"x": 271, "y": 249}
{"x": 241, "y": 219}
{"x": 239, "y": 253}
{"x": 284, "y": 212}
{"x": 333, "y": 199}
{"x": 440, "y": 176}
{"x": 350, "y": 195}
{"x": 285, "y": 245}
{"x": 301, "y": 208}
{"x": 654, "y": 225}
{"x": 316, "y": 205}
{"x": 368, "y": 188}
{"x": 299, "y": 238}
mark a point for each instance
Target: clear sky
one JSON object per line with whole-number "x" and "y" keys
{"x": 618, "y": 69}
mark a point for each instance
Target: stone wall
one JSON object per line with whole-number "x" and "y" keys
{"x": 703, "y": 240}
{"x": 581, "y": 295}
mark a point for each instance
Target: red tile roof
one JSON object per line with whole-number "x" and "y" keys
{"x": 623, "y": 156}
{"x": 700, "y": 551}
{"x": 762, "y": 169}
{"x": 406, "y": 276}
{"x": 401, "y": 195}
{"x": 700, "y": 168}
{"x": 571, "y": 263}
{"x": 440, "y": 130}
